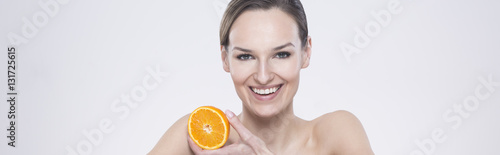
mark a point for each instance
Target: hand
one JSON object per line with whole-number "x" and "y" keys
{"x": 248, "y": 143}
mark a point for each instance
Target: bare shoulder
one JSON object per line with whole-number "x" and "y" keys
{"x": 342, "y": 132}
{"x": 174, "y": 141}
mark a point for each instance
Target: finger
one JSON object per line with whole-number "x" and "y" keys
{"x": 244, "y": 133}
{"x": 195, "y": 148}
{"x": 253, "y": 141}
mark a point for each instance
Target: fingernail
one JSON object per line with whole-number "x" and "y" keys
{"x": 229, "y": 114}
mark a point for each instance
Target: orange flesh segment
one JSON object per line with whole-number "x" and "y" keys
{"x": 208, "y": 127}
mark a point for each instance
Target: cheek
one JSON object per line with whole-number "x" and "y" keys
{"x": 287, "y": 69}
{"x": 240, "y": 71}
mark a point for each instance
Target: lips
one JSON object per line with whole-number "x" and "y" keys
{"x": 266, "y": 93}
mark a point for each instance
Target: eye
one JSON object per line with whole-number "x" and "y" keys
{"x": 282, "y": 55}
{"x": 244, "y": 57}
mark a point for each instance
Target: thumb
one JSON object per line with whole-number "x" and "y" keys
{"x": 244, "y": 133}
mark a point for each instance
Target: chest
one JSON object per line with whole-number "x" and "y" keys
{"x": 300, "y": 147}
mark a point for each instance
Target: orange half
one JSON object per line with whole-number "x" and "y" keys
{"x": 208, "y": 127}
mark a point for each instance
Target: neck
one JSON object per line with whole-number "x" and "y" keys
{"x": 274, "y": 130}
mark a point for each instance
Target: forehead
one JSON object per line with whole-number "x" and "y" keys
{"x": 263, "y": 29}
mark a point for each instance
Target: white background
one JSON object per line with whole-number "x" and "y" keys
{"x": 90, "y": 53}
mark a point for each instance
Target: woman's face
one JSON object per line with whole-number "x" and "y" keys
{"x": 264, "y": 57}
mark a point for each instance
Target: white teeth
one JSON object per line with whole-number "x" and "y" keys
{"x": 265, "y": 91}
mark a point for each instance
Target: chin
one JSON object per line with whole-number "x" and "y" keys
{"x": 265, "y": 111}
{"x": 267, "y": 105}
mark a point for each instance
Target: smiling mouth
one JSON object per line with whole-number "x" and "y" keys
{"x": 266, "y": 91}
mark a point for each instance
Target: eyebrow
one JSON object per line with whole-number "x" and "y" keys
{"x": 274, "y": 49}
{"x": 283, "y": 46}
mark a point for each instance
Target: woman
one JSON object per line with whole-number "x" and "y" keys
{"x": 264, "y": 45}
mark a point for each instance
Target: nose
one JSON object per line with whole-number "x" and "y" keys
{"x": 264, "y": 73}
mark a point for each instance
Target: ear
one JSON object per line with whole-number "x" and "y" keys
{"x": 306, "y": 56}
{"x": 225, "y": 61}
